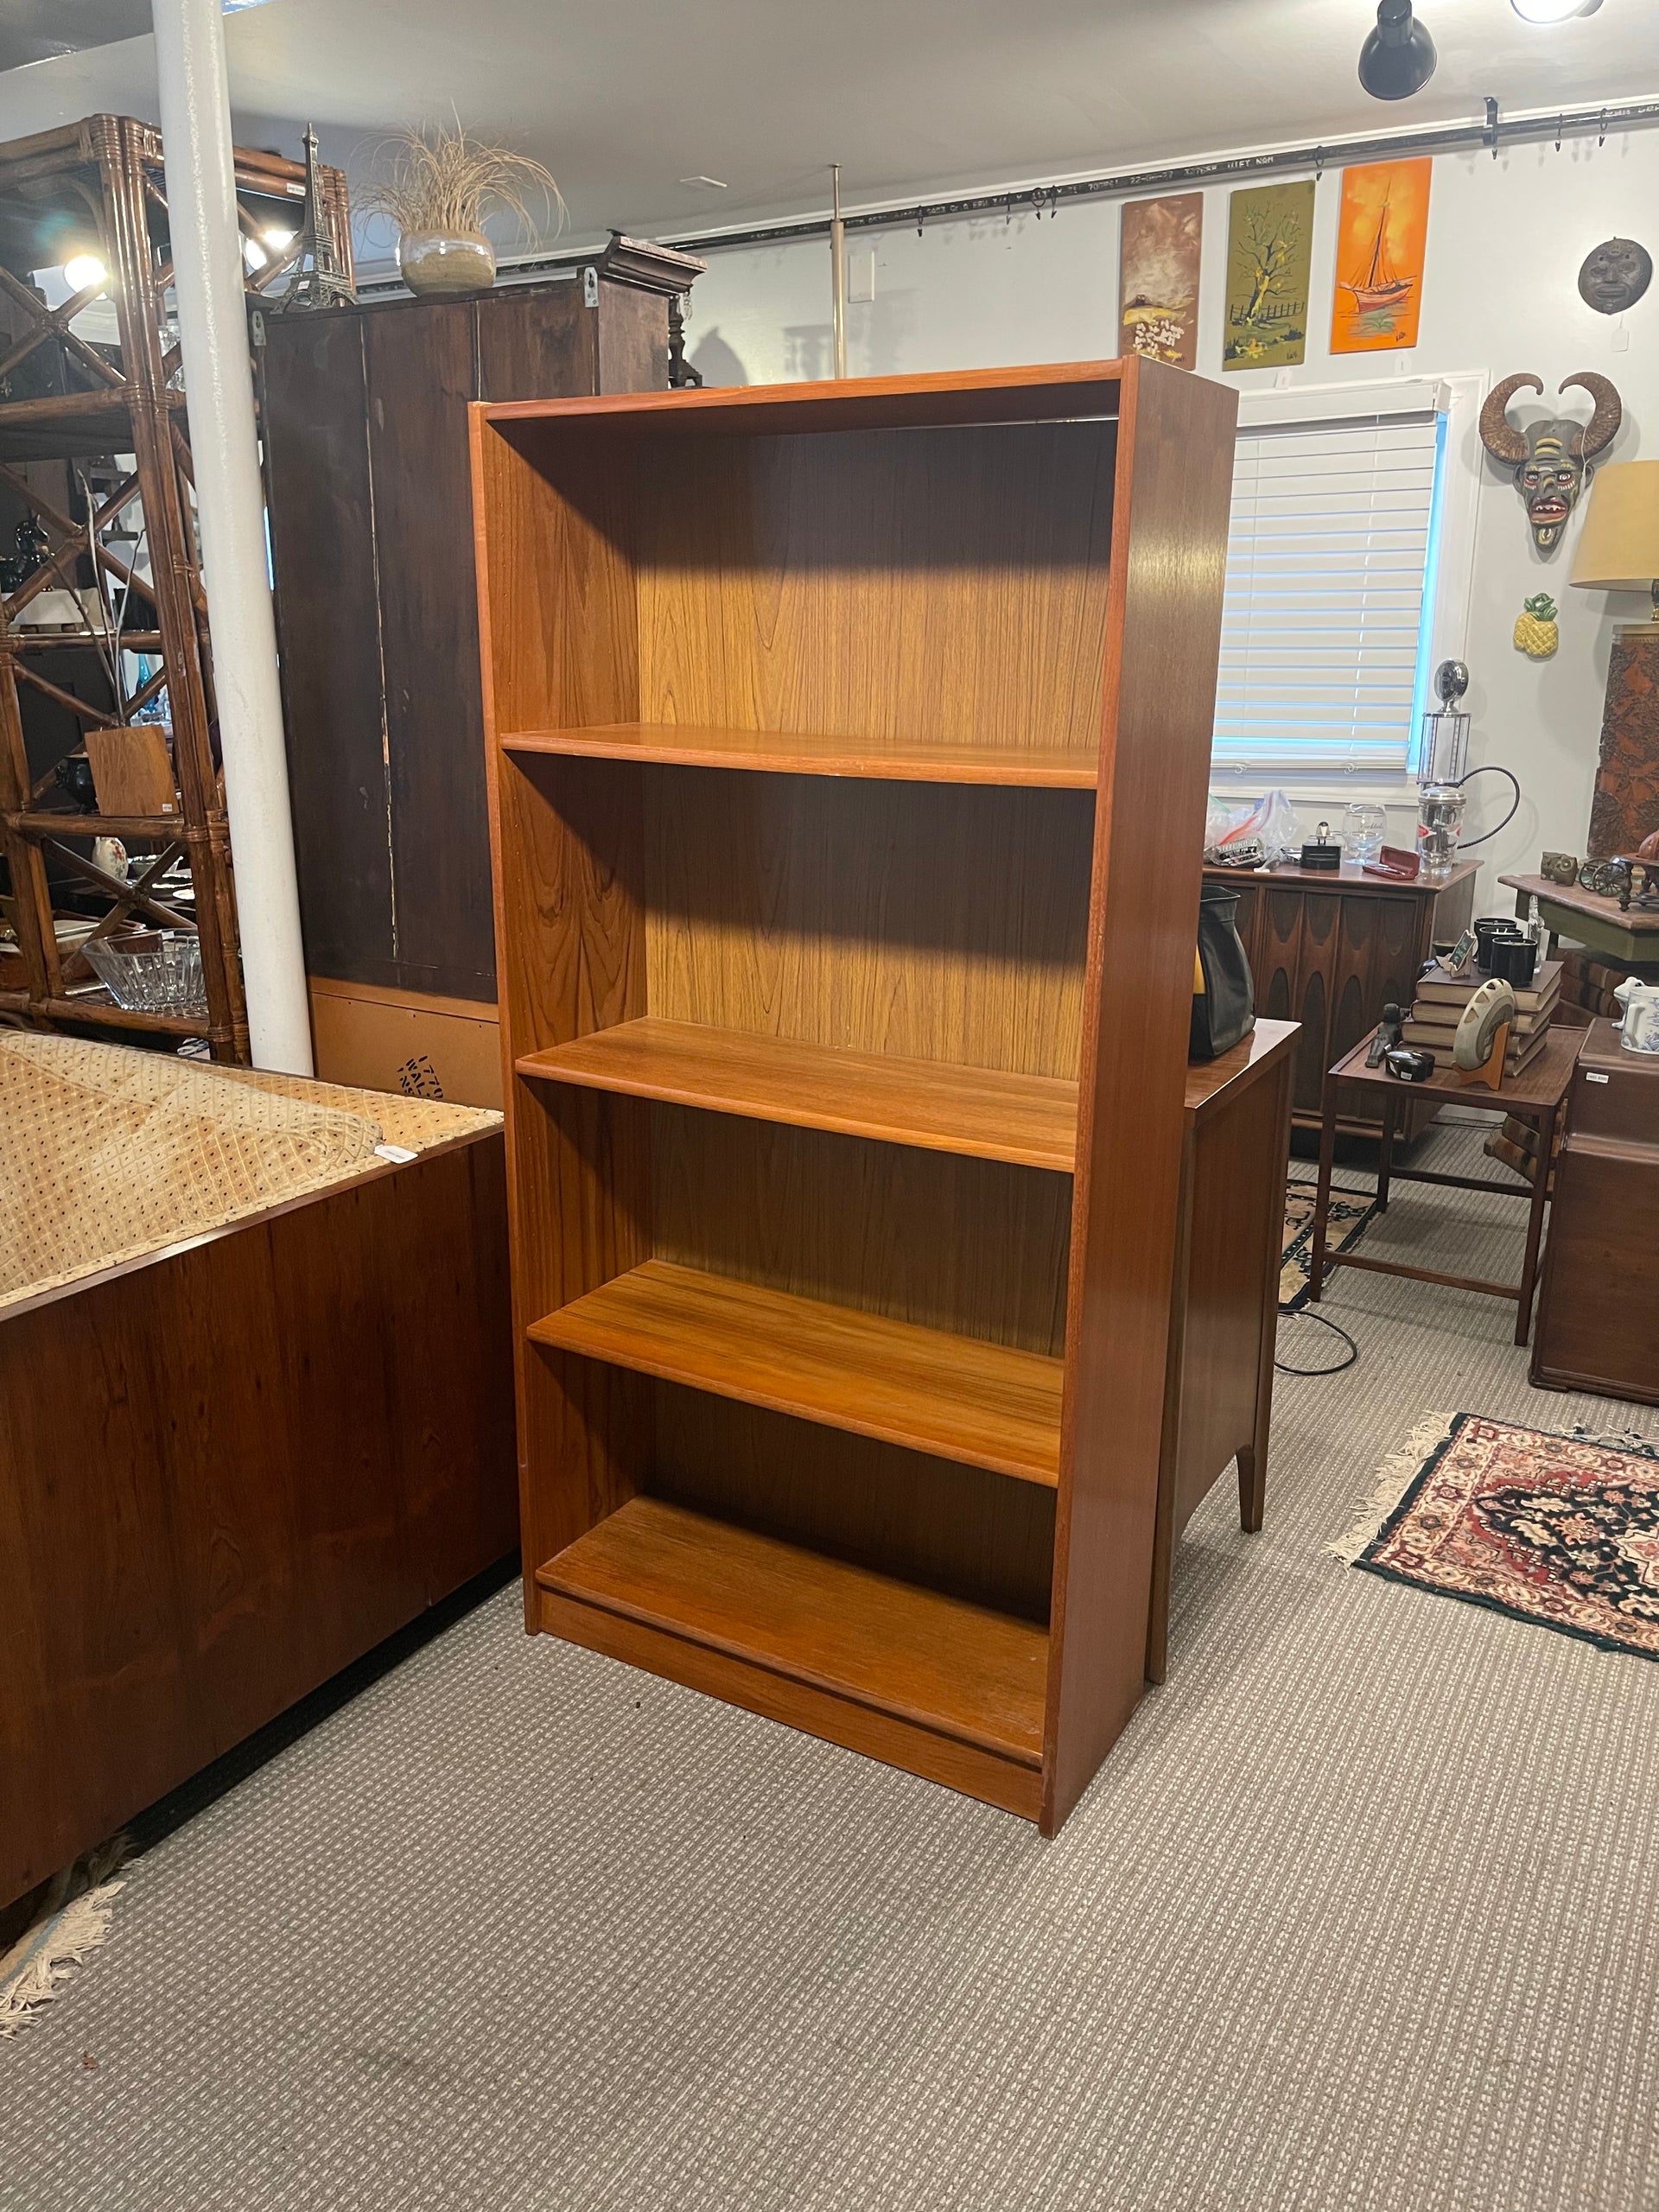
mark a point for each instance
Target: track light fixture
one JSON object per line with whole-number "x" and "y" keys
{"x": 1398, "y": 58}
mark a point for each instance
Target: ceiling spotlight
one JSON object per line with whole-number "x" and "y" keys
{"x": 1398, "y": 58}
{"x": 85, "y": 272}
{"x": 1553, "y": 11}
{"x": 277, "y": 239}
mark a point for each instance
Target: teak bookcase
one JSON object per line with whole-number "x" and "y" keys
{"x": 847, "y": 747}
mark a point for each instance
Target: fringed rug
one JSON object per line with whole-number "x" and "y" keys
{"x": 72, "y": 1920}
{"x": 1350, "y": 1212}
{"x": 1562, "y": 1530}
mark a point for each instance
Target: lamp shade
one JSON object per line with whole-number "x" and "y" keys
{"x": 1618, "y": 545}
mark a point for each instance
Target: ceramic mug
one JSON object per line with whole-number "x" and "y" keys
{"x": 1639, "y": 1032}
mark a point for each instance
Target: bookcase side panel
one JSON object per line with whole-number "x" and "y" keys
{"x": 943, "y": 584}
{"x": 556, "y": 635}
{"x": 1169, "y": 561}
{"x": 573, "y": 961}
{"x": 558, "y": 602}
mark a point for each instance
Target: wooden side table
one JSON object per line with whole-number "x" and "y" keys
{"x": 1533, "y": 1096}
{"x": 1218, "y": 1384}
{"x": 1601, "y": 924}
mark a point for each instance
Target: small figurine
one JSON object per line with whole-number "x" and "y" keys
{"x": 1389, "y": 1032}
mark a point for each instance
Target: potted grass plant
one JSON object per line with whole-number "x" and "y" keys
{"x": 438, "y": 185}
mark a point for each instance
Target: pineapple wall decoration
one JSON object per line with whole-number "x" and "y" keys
{"x": 1535, "y": 632}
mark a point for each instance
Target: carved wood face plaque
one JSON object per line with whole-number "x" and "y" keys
{"x": 1615, "y": 274}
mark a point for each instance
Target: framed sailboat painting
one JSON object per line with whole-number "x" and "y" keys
{"x": 1382, "y": 234}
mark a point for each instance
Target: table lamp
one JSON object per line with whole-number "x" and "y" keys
{"x": 1619, "y": 550}
{"x": 1618, "y": 545}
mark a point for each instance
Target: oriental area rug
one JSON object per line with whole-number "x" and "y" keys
{"x": 1350, "y": 1212}
{"x": 1561, "y": 1531}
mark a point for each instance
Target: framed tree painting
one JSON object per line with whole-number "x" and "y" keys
{"x": 1270, "y": 261}
{"x": 1158, "y": 288}
{"x": 1382, "y": 234}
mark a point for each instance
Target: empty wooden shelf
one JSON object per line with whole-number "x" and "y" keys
{"x": 848, "y": 748}
{"x": 987, "y": 1405}
{"x": 985, "y": 1112}
{"x": 801, "y": 1636}
{"x": 800, "y": 753}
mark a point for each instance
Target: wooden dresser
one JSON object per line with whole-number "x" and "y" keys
{"x": 1330, "y": 950}
{"x": 1596, "y": 1313}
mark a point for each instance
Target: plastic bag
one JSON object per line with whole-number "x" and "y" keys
{"x": 1254, "y": 834}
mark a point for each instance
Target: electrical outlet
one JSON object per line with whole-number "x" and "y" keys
{"x": 860, "y": 273}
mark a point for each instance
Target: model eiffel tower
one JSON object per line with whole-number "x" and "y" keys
{"x": 317, "y": 280}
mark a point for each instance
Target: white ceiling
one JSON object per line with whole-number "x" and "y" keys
{"x": 623, "y": 98}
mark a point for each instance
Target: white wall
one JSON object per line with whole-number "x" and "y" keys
{"x": 1505, "y": 239}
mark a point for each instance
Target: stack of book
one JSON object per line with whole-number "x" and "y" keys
{"x": 1440, "y": 1000}
{"x": 1590, "y": 983}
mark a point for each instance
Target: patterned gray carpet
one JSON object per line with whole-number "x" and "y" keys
{"x": 1360, "y": 1913}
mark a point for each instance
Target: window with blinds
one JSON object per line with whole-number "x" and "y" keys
{"x": 1325, "y": 639}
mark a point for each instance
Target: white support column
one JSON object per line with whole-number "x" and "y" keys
{"x": 206, "y": 246}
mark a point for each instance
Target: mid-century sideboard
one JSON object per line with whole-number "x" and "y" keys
{"x": 1330, "y": 950}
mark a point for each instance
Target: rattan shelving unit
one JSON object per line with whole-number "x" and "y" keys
{"x": 65, "y": 401}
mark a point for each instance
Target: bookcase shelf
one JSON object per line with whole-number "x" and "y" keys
{"x": 935, "y": 1663}
{"x": 985, "y": 1113}
{"x": 848, "y": 748}
{"x": 958, "y": 1398}
{"x": 780, "y": 753}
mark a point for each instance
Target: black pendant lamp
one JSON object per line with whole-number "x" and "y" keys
{"x": 1398, "y": 58}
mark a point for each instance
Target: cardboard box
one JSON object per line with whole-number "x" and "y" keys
{"x": 402, "y": 1040}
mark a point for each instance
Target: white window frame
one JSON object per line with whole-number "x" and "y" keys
{"x": 1457, "y": 398}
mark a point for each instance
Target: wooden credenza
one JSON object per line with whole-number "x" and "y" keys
{"x": 1329, "y": 952}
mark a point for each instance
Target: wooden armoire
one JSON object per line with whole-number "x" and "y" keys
{"x": 365, "y": 420}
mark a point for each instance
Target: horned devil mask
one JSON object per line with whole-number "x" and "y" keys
{"x": 1551, "y": 459}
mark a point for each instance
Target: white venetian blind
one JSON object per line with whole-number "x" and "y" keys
{"x": 1328, "y": 568}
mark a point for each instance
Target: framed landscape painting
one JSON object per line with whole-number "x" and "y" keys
{"x": 1270, "y": 261}
{"x": 1158, "y": 278}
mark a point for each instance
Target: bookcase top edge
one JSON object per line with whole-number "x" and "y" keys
{"x": 958, "y": 395}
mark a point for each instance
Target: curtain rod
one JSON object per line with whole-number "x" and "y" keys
{"x": 1041, "y": 198}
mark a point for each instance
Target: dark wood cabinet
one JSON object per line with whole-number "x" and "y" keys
{"x": 1329, "y": 952}
{"x": 365, "y": 416}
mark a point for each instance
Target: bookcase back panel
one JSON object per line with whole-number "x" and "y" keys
{"x": 942, "y": 922}
{"x": 971, "y": 1246}
{"x": 960, "y": 1530}
{"x": 937, "y": 584}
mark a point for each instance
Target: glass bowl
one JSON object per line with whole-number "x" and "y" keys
{"x": 149, "y": 971}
